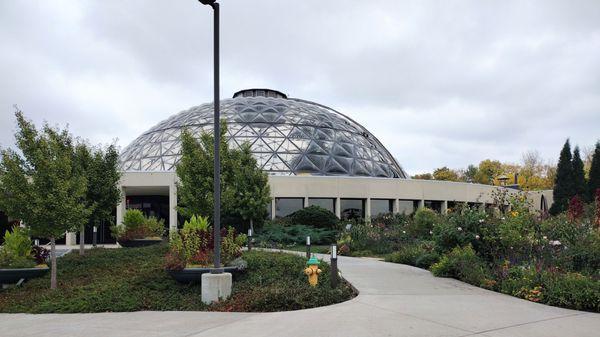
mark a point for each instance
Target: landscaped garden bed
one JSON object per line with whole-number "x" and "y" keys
{"x": 135, "y": 279}
{"x": 19, "y": 259}
{"x": 138, "y": 230}
{"x": 553, "y": 260}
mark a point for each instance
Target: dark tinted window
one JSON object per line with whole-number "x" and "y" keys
{"x": 381, "y": 206}
{"x": 352, "y": 208}
{"x": 287, "y": 206}
{"x": 327, "y": 203}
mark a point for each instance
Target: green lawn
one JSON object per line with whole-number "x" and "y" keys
{"x": 132, "y": 279}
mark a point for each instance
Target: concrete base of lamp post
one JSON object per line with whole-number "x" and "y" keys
{"x": 215, "y": 287}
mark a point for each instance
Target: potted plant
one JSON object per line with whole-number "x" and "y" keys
{"x": 136, "y": 230}
{"x": 19, "y": 260}
{"x": 191, "y": 251}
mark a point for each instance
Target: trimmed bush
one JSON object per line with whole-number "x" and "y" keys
{"x": 314, "y": 216}
{"x": 463, "y": 264}
{"x": 274, "y": 233}
{"x": 423, "y": 222}
{"x": 420, "y": 255}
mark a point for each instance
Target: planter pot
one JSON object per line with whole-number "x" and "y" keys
{"x": 139, "y": 242}
{"x": 9, "y": 276}
{"x": 191, "y": 275}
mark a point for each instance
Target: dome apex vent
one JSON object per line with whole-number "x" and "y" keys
{"x": 255, "y": 92}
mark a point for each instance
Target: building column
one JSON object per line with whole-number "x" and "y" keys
{"x": 273, "y": 209}
{"x": 172, "y": 208}
{"x": 71, "y": 239}
{"x": 338, "y": 206}
{"x": 368, "y": 210}
{"x": 121, "y": 207}
{"x": 396, "y": 207}
{"x": 444, "y": 209}
{"x": 421, "y": 203}
{"x": 305, "y": 202}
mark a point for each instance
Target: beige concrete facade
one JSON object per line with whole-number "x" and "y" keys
{"x": 336, "y": 188}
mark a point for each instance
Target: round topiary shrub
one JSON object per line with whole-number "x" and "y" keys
{"x": 423, "y": 222}
{"x": 314, "y": 216}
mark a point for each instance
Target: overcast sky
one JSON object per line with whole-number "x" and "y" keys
{"x": 438, "y": 82}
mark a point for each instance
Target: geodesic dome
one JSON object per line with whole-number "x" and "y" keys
{"x": 288, "y": 136}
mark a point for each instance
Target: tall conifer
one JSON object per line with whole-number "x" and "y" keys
{"x": 578, "y": 174}
{"x": 594, "y": 178}
{"x": 564, "y": 187}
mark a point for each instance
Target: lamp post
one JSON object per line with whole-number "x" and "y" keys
{"x": 217, "y": 137}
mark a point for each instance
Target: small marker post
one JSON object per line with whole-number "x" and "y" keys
{"x": 249, "y": 239}
{"x": 95, "y": 236}
{"x": 334, "y": 267}
{"x": 308, "y": 247}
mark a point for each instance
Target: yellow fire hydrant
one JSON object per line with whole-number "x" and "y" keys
{"x": 312, "y": 271}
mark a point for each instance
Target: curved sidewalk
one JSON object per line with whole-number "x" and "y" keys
{"x": 394, "y": 300}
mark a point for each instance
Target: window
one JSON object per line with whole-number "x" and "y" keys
{"x": 287, "y": 206}
{"x": 352, "y": 208}
{"x": 434, "y": 205}
{"x": 381, "y": 206}
{"x": 406, "y": 207}
{"x": 327, "y": 203}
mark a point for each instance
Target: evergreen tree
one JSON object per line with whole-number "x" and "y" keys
{"x": 594, "y": 176}
{"x": 564, "y": 187}
{"x": 41, "y": 186}
{"x": 578, "y": 174}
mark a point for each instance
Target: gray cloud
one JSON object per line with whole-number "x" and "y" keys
{"x": 440, "y": 83}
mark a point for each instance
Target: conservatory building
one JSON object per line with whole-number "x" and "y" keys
{"x": 313, "y": 154}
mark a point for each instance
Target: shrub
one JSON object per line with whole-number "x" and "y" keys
{"x": 154, "y": 227}
{"x": 273, "y": 233}
{"x": 461, "y": 227}
{"x": 423, "y": 222}
{"x": 133, "y": 219}
{"x": 571, "y": 290}
{"x": 197, "y": 223}
{"x": 40, "y": 254}
{"x": 462, "y": 263}
{"x": 390, "y": 220}
{"x": 314, "y": 216}
{"x": 16, "y": 250}
{"x": 136, "y": 226}
{"x": 194, "y": 245}
{"x": 420, "y": 255}
{"x": 17, "y": 242}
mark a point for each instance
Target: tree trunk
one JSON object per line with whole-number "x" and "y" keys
{"x": 53, "y": 263}
{"x": 82, "y": 240}
{"x": 252, "y": 226}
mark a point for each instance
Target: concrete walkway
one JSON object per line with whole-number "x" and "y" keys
{"x": 394, "y": 300}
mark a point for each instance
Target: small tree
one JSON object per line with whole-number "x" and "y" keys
{"x": 594, "y": 176}
{"x": 101, "y": 170}
{"x": 251, "y": 188}
{"x": 444, "y": 173}
{"x": 564, "y": 188}
{"x": 578, "y": 174}
{"x": 195, "y": 172}
{"x": 42, "y": 186}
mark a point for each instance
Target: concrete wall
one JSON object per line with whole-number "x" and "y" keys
{"x": 140, "y": 183}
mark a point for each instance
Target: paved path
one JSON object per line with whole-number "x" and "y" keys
{"x": 394, "y": 300}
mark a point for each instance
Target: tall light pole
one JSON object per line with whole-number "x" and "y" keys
{"x": 217, "y": 138}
